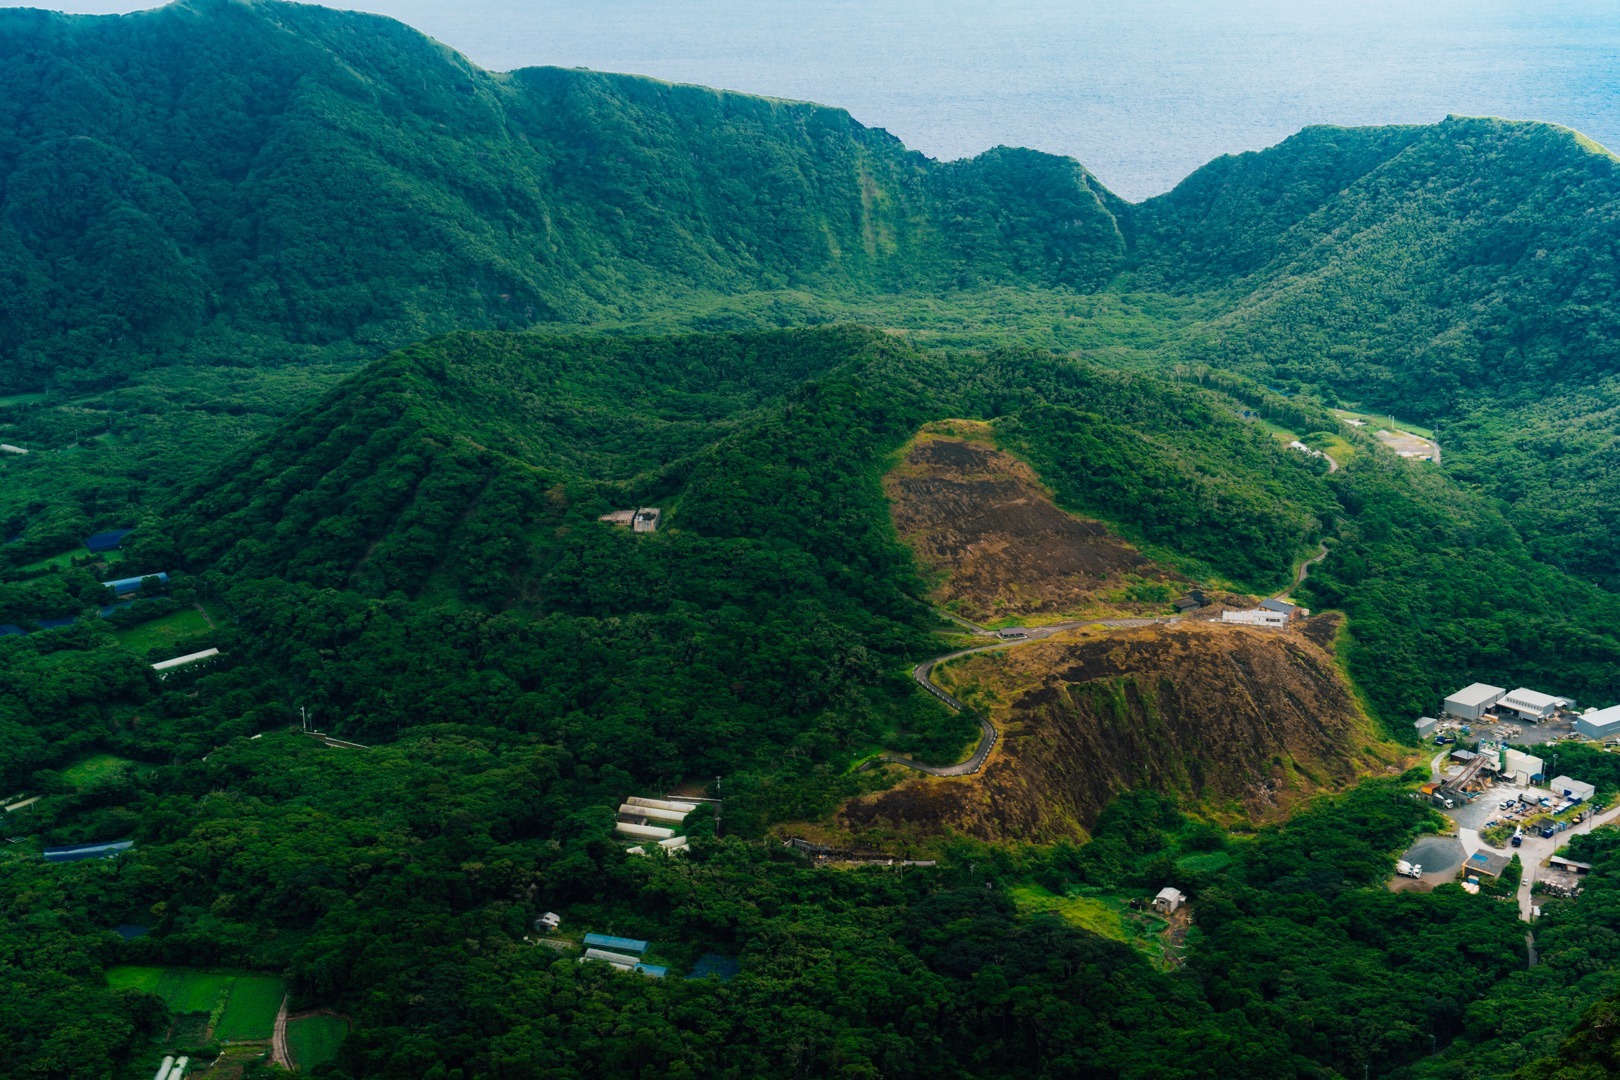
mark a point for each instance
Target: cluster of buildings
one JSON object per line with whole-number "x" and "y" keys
{"x": 653, "y": 819}
{"x": 1481, "y": 702}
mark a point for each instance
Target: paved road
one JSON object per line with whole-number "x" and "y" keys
{"x": 1333, "y": 466}
{"x": 1305, "y": 568}
{"x": 924, "y": 671}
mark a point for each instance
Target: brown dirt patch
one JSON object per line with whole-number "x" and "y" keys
{"x": 1245, "y": 722}
{"x": 980, "y": 518}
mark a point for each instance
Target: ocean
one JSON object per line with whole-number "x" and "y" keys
{"x": 1140, "y": 91}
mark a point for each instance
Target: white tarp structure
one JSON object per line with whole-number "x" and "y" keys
{"x": 189, "y": 658}
{"x": 643, "y": 832}
{"x": 662, "y": 804}
{"x": 653, "y": 812}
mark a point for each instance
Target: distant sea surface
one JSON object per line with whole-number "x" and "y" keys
{"x": 1141, "y": 91}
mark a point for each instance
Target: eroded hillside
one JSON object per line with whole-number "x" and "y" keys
{"x": 980, "y": 519}
{"x": 1244, "y": 721}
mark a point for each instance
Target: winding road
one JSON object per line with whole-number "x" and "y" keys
{"x": 1304, "y": 569}
{"x": 1011, "y": 637}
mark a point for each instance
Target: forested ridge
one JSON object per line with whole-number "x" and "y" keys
{"x": 363, "y": 342}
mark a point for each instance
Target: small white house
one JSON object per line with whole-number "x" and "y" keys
{"x": 1426, "y": 726}
{"x": 1168, "y": 900}
{"x": 548, "y": 923}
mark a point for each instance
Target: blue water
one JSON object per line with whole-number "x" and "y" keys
{"x": 1141, "y": 91}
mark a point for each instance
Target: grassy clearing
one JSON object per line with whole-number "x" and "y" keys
{"x": 20, "y": 399}
{"x": 1208, "y": 862}
{"x": 1382, "y": 420}
{"x": 1277, "y": 430}
{"x": 251, "y": 1011}
{"x": 134, "y": 976}
{"x": 1331, "y": 444}
{"x": 1087, "y": 912}
{"x": 163, "y": 632}
{"x": 86, "y": 771}
{"x": 65, "y": 559}
{"x": 314, "y": 1040}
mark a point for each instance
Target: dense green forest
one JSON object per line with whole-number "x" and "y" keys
{"x": 362, "y": 342}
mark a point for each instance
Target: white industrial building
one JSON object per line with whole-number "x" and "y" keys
{"x": 1532, "y": 704}
{"x": 1600, "y": 723}
{"x": 1426, "y": 726}
{"x": 1573, "y": 790}
{"x": 1471, "y": 702}
{"x": 1521, "y": 767}
{"x": 1255, "y": 618}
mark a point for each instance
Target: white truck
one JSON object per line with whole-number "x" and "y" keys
{"x": 1408, "y": 869}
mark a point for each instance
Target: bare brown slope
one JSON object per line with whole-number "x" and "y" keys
{"x": 1245, "y": 721}
{"x": 980, "y": 518}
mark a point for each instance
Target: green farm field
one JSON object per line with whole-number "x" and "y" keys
{"x": 251, "y": 1001}
{"x": 251, "y": 1011}
{"x": 314, "y": 1040}
{"x": 165, "y": 631}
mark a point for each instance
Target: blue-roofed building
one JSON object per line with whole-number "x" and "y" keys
{"x": 120, "y": 586}
{"x": 652, "y": 969}
{"x": 605, "y": 941}
{"x": 11, "y": 628}
{"x": 107, "y": 541}
{"x": 129, "y": 931}
{"x": 57, "y": 624}
{"x": 110, "y": 608}
{"x": 77, "y": 852}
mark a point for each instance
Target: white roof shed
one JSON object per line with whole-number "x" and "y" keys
{"x": 1573, "y": 789}
{"x": 1532, "y": 702}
